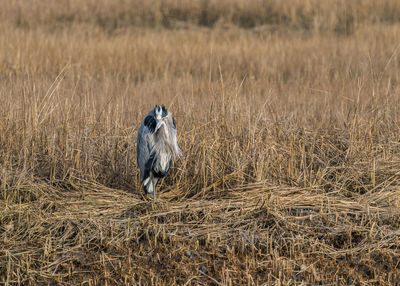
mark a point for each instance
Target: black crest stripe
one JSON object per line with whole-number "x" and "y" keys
{"x": 164, "y": 111}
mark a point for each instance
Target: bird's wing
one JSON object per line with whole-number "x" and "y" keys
{"x": 143, "y": 148}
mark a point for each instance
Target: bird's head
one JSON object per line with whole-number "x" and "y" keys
{"x": 161, "y": 114}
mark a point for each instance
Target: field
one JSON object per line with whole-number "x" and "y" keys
{"x": 288, "y": 116}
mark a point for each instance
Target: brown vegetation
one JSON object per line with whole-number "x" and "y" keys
{"x": 288, "y": 115}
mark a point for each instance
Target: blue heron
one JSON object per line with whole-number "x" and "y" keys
{"x": 156, "y": 147}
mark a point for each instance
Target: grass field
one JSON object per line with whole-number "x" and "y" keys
{"x": 288, "y": 117}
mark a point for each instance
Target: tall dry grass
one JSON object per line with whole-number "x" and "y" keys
{"x": 289, "y": 126}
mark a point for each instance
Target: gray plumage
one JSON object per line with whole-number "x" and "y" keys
{"x": 156, "y": 147}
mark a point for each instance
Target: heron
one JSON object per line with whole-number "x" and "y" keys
{"x": 156, "y": 147}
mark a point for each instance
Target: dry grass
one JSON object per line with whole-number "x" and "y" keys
{"x": 289, "y": 122}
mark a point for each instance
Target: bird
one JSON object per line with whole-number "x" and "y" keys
{"x": 156, "y": 147}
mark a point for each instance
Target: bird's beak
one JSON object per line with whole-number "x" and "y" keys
{"x": 159, "y": 124}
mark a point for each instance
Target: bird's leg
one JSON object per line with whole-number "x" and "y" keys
{"x": 155, "y": 181}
